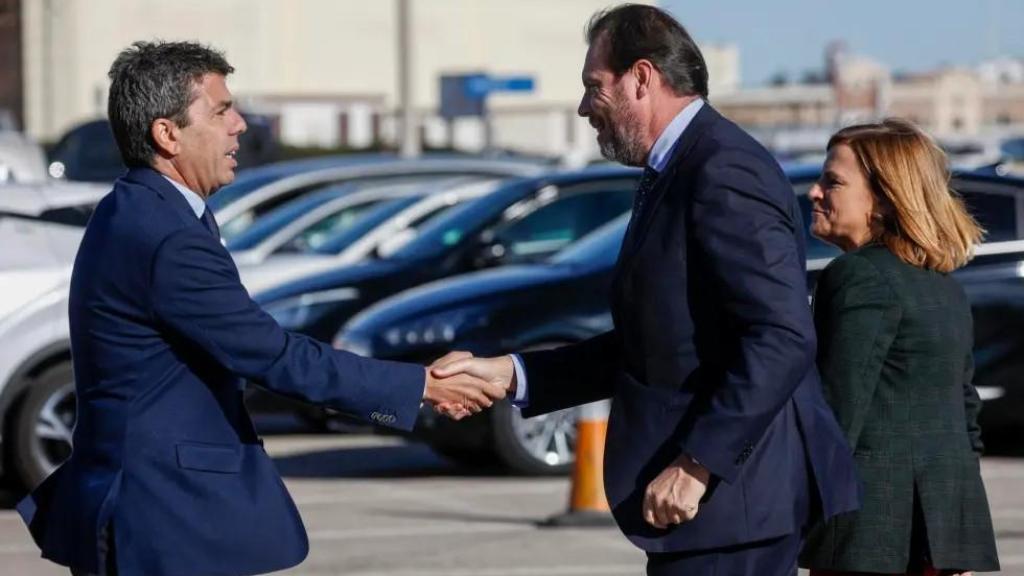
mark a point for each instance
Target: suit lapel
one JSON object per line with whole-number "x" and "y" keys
{"x": 165, "y": 191}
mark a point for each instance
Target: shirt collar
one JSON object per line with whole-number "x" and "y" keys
{"x": 195, "y": 201}
{"x": 663, "y": 147}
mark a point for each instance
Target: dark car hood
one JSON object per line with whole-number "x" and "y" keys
{"x": 463, "y": 290}
{"x": 339, "y": 278}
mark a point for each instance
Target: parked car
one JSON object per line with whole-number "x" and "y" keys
{"x": 564, "y": 300}
{"x": 524, "y": 221}
{"x": 88, "y": 152}
{"x": 21, "y": 160}
{"x": 493, "y": 312}
{"x": 314, "y": 217}
{"x": 236, "y": 210}
{"x": 45, "y": 224}
{"x": 320, "y": 245}
{"x": 40, "y": 229}
{"x": 41, "y": 224}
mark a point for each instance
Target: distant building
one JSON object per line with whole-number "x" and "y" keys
{"x": 723, "y": 61}
{"x": 951, "y": 103}
{"x": 325, "y": 71}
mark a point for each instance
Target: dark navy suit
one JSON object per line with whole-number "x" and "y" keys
{"x": 712, "y": 354}
{"x": 165, "y": 454}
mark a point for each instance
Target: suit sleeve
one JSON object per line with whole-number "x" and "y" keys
{"x": 571, "y": 375}
{"x": 972, "y": 406}
{"x": 744, "y": 237}
{"x": 858, "y": 316}
{"x": 196, "y": 294}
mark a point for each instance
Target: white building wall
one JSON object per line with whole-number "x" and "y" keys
{"x": 328, "y": 50}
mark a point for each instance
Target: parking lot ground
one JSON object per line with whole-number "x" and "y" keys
{"x": 382, "y": 506}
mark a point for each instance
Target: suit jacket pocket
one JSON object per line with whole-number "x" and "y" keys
{"x": 223, "y": 458}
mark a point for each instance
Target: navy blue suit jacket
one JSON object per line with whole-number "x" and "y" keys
{"x": 712, "y": 353}
{"x": 162, "y": 335}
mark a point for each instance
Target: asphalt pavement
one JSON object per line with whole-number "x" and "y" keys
{"x": 382, "y": 506}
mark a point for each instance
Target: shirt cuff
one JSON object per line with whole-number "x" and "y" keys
{"x": 520, "y": 399}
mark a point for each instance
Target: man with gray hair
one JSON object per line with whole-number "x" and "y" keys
{"x": 168, "y": 475}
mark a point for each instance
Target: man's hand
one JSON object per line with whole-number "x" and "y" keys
{"x": 497, "y": 371}
{"x": 459, "y": 394}
{"x": 674, "y": 496}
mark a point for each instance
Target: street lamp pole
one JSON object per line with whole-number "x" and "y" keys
{"x": 409, "y": 140}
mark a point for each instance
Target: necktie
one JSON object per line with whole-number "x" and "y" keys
{"x": 210, "y": 223}
{"x": 646, "y": 184}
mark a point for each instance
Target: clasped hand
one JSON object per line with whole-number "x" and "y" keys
{"x": 674, "y": 496}
{"x": 459, "y": 384}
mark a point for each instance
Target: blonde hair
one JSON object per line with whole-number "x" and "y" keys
{"x": 924, "y": 222}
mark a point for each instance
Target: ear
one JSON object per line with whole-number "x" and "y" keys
{"x": 166, "y": 136}
{"x": 644, "y": 72}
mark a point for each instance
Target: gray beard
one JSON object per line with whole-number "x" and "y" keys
{"x": 624, "y": 145}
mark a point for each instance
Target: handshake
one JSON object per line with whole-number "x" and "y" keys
{"x": 460, "y": 385}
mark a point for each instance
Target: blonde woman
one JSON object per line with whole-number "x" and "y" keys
{"x": 895, "y": 338}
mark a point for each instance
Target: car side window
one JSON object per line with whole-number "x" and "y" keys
{"x": 326, "y": 228}
{"x": 564, "y": 220}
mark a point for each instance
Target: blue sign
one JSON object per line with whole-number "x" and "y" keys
{"x": 480, "y": 85}
{"x": 466, "y": 94}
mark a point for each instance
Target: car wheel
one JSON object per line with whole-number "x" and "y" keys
{"x": 542, "y": 445}
{"x": 44, "y": 424}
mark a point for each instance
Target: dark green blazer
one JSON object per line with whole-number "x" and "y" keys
{"x": 894, "y": 351}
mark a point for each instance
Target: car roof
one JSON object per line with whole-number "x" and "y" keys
{"x": 275, "y": 179}
{"x": 34, "y": 199}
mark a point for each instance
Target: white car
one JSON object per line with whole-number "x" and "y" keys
{"x": 41, "y": 227}
{"x": 21, "y": 159}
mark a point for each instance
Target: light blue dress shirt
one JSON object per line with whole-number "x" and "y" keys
{"x": 657, "y": 159}
{"x": 195, "y": 201}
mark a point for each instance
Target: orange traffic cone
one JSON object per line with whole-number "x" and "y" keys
{"x": 587, "y": 503}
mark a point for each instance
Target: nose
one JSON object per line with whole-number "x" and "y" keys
{"x": 583, "y": 110}
{"x": 240, "y": 125}
{"x": 815, "y": 193}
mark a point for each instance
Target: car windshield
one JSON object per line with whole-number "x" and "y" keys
{"x": 250, "y": 179}
{"x": 337, "y": 232}
{"x": 451, "y": 226}
{"x": 244, "y": 183}
{"x": 599, "y": 247}
{"x": 277, "y": 219}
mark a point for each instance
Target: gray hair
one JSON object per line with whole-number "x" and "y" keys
{"x": 153, "y": 80}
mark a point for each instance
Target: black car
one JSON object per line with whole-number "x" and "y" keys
{"x": 524, "y": 221}
{"x": 492, "y": 312}
{"x": 564, "y": 300}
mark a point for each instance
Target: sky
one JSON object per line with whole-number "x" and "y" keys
{"x": 790, "y": 36}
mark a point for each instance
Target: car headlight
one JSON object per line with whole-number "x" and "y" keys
{"x": 299, "y": 311}
{"x": 437, "y": 330}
